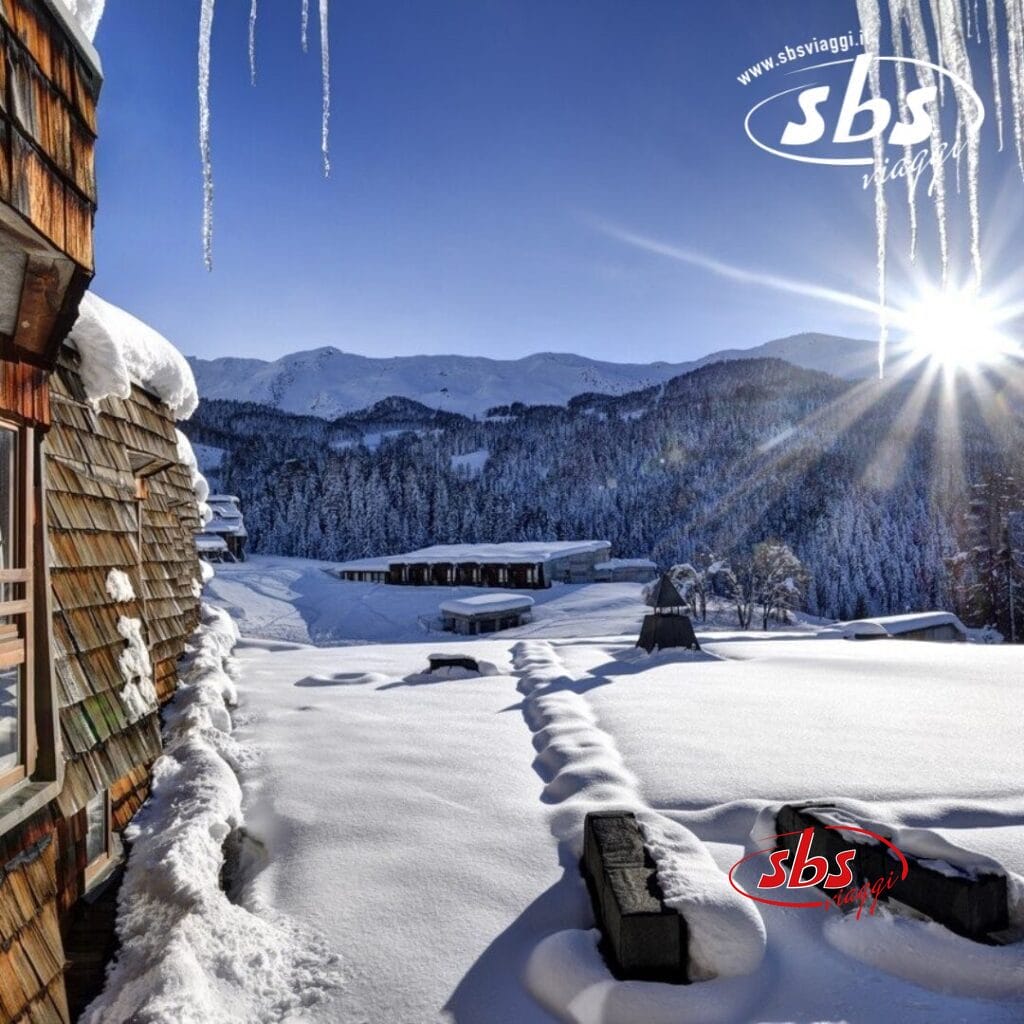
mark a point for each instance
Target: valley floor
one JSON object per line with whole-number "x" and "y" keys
{"x": 428, "y": 826}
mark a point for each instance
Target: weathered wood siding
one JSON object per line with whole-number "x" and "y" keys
{"x": 96, "y": 522}
{"x": 94, "y": 526}
{"x": 48, "y": 98}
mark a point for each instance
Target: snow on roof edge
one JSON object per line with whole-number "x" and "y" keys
{"x": 524, "y": 552}
{"x": 894, "y": 625}
{"x": 487, "y": 604}
{"x": 118, "y": 350}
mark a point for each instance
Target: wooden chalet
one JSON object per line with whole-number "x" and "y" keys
{"x": 96, "y": 552}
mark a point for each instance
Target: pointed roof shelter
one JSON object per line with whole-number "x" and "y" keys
{"x": 666, "y": 599}
{"x": 667, "y": 626}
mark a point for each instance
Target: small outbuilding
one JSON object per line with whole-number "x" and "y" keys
{"x": 226, "y": 522}
{"x": 485, "y": 613}
{"x": 363, "y": 570}
{"x": 938, "y": 627}
{"x": 212, "y": 547}
{"x": 667, "y": 626}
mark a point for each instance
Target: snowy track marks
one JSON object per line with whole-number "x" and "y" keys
{"x": 583, "y": 771}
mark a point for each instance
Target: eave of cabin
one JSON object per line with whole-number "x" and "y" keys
{"x": 81, "y": 41}
{"x": 50, "y": 79}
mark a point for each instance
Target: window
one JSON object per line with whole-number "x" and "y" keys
{"x": 17, "y": 716}
{"x": 97, "y": 835}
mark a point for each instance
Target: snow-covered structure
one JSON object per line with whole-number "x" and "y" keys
{"x": 226, "y": 525}
{"x": 937, "y": 626}
{"x": 105, "y": 597}
{"x": 98, "y": 508}
{"x": 364, "y": 570}
{"x": 485, "y": 613}
{"x": 525, "y": 565}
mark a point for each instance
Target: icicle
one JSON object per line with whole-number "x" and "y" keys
{"x": 305, "y": 26}
{"x": 871, "y": 24}
{"x": 205, "y": 34}
{"x": 252, "y": 41}
{"x": 977, "y": 24}
{"x": 896, "y": 23}
{"x": 937, "y": 21}
{"x": 955, "y": 49}
{"x": 325, "y": 71}
{"x": 993, "y": 49}
{"x": 1015, "y": 65}
{"x": 967, "y": 15}
{"x": 926, "y": 78}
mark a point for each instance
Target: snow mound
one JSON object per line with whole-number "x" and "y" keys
{"x": 139, "y": 693}
{"x": 187, "y": 457}
{"x": 567, "y": 976}
{"x": 118, "y": 350}
{"x": 188, "y": 955}
{"x": 727, "y": 935}
{"x": 119, "y": 586}
{"x": 929, "y": 955}
{"x": 87, "y": 13}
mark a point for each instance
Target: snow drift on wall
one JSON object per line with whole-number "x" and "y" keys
{"x": 118, "y": 350}
{"x": 188, "y": 954}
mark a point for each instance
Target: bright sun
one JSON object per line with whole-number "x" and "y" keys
{"x": 957, "y": 329}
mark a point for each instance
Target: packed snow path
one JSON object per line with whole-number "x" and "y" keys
{"x": 425, "y": 825}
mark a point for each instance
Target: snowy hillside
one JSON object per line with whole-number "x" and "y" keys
{"x": 328, "y": 382}
{"x": 725, "y": 456}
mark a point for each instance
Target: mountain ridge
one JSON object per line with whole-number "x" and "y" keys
{"x": 329, "y": 383}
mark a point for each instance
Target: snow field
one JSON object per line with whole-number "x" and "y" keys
{"x": 380, "y": 786}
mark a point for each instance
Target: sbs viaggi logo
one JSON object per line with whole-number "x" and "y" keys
{"x": 843, "y": 869}
{"x": 852, "y": 103}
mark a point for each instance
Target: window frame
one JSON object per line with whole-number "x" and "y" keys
{"x": 19, "y": 648}
{"x": 99, "y": 864}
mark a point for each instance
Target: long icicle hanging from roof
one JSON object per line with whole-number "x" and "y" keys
{"x": 952, "y": 25}
{"x": 205, "y": 37}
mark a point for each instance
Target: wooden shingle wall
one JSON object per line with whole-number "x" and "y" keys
{"x": 31, "y": 952}
{"x": 99, "y": 517}
{"x": 47, "y": 127}
{"x": 94, "y": 526}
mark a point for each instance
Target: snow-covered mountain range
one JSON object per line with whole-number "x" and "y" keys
{"x": 327, "y": 382}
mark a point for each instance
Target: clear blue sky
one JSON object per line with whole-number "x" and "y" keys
{"x": 476, "y": 146}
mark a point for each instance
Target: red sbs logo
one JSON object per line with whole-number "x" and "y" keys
{"x": 793, "y": 869}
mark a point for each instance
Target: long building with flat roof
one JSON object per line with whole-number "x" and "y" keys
{"x": 519, "y": 565}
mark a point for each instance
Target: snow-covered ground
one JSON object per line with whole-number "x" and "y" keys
{"x": 427, "y": 827}
{"x": 297, "y": 600}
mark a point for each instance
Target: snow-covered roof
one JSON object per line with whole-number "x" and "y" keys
{"x": 364, "y": 565}
{"x": 210, "y": 542}
{"x": 894, "y": 625}
{"x": 487, "y": 604}
{"x": 226, "y": 517}
{"x": 118, "y": 350}
{"x": 82, "y": 24}
{"x": 526, "y": 553}
{"x": 626, "y": 563}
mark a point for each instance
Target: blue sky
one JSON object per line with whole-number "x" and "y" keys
{"x": 478, "y": 147}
